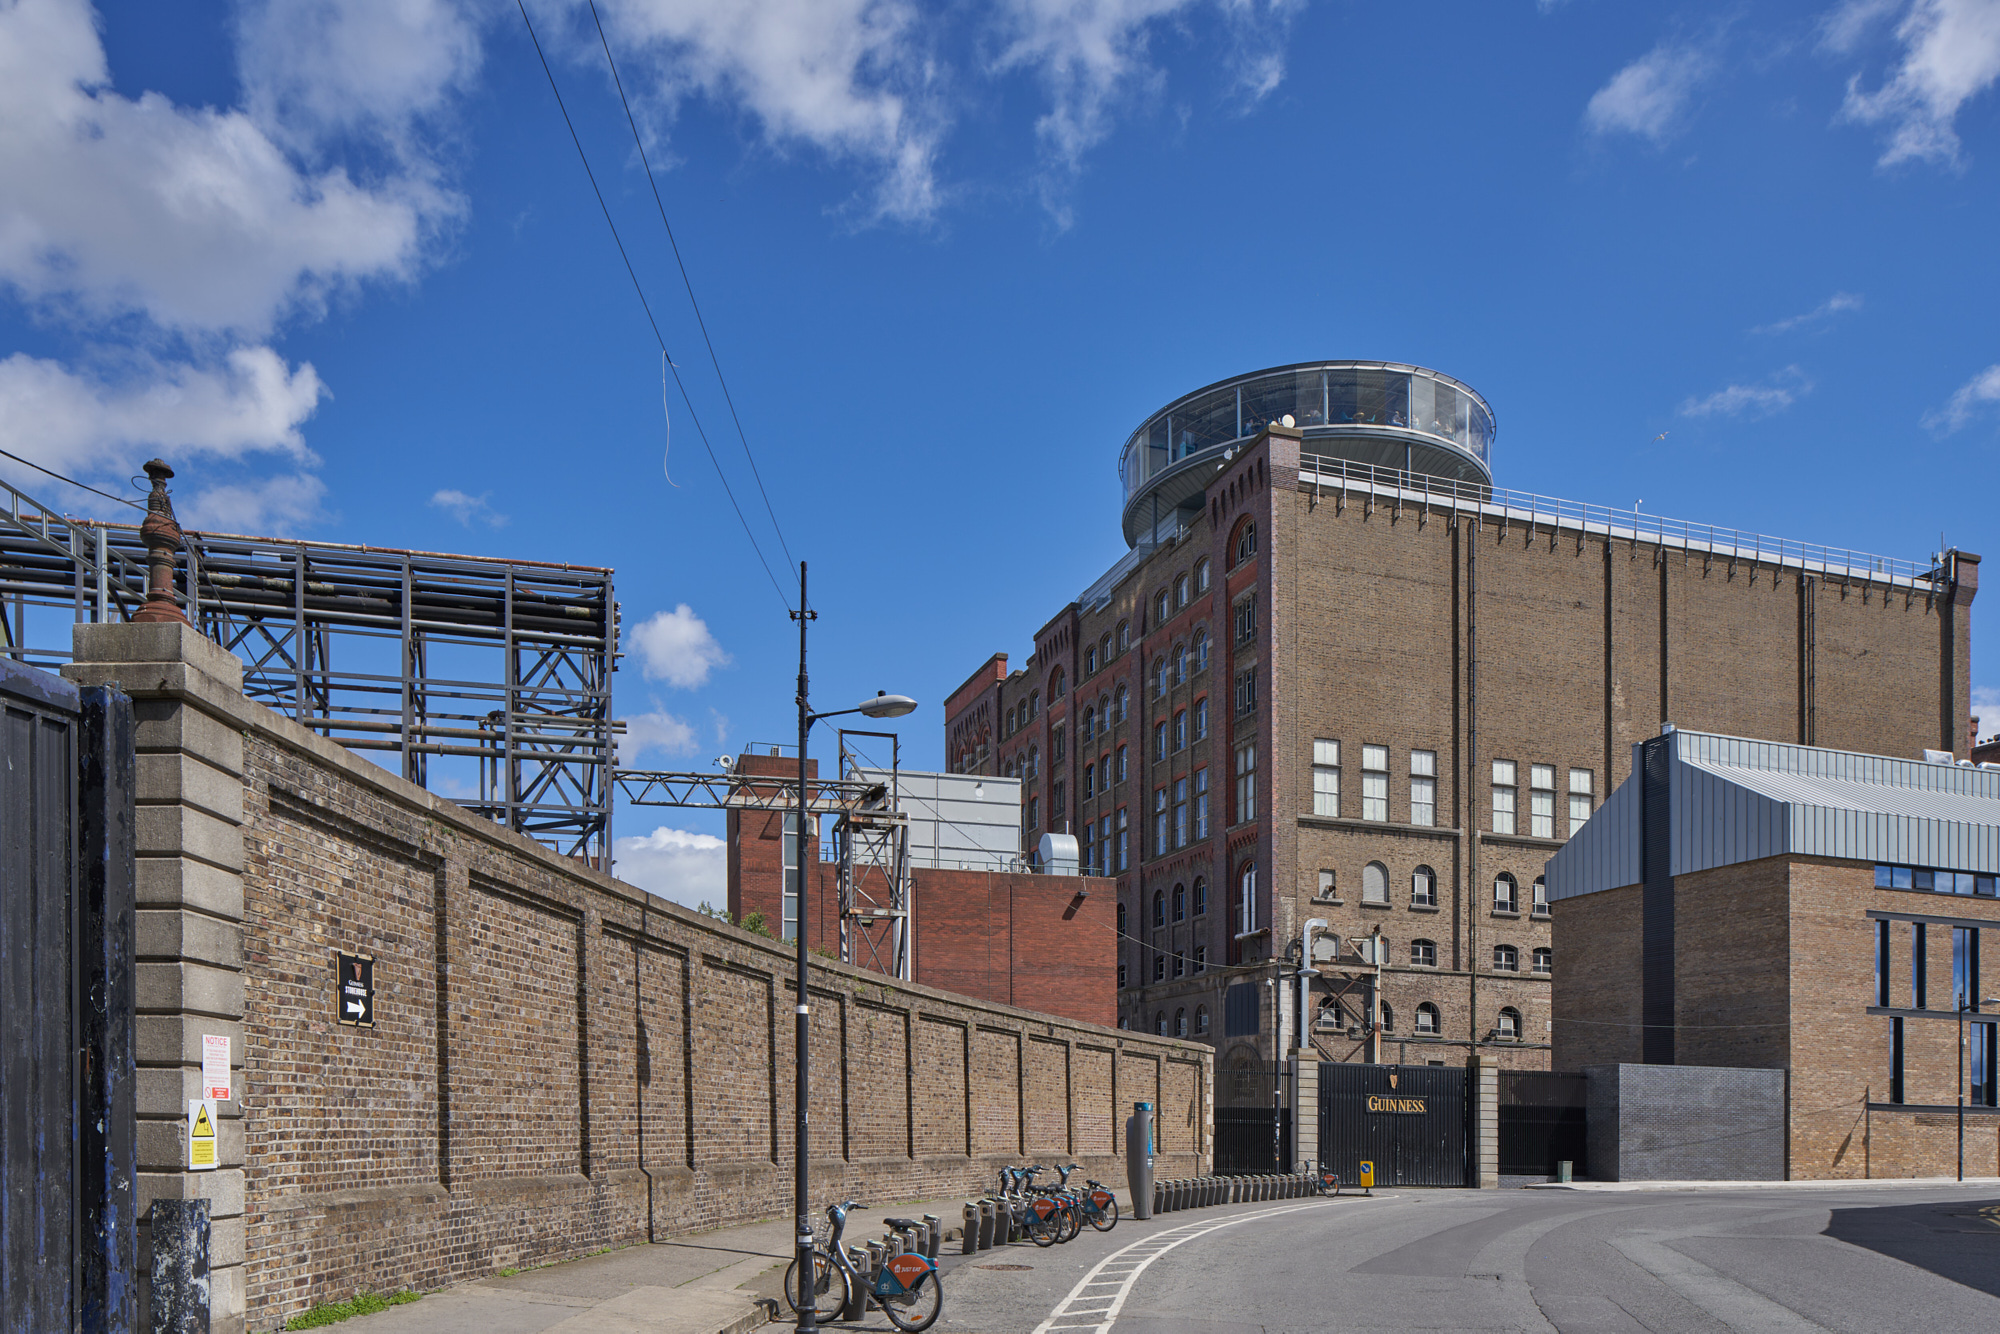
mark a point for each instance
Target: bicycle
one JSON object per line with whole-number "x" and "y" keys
{"x": 909, "y": 1289}
{"x": 1098, "y": 1206}
{"x": 1326, "y": 1182}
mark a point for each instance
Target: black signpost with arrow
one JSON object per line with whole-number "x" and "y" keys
{"x": 354, "y": 990}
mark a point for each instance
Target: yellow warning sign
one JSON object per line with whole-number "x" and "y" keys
{"x": 201, "y": 1135}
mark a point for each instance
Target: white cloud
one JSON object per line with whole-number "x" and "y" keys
{"x": 1752, "y": 400}
{"x": 657, "y": 731}
{"x": 469, "y": 510}
{"x": 1825, "y": 310}
{"x": 850, "y": 78}
{"x": 678, "y": 648}
{"x": 272, "y": 507}
{"x": 1951, "y": 54}
{"x": 1842, "y": 28}
{"x": 1973, "y": 397}
{"x": 250, "y": 402}
{"x": 676, "y": 864}
{"x": 1649, "y": 96}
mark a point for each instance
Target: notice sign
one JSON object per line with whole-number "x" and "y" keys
{"x": 354, "y": 990}
{"x": 201, "y": 1136}
{"x": 215, "y": 1067}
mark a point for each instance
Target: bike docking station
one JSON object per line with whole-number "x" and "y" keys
{"x": 1139, "y": 1159}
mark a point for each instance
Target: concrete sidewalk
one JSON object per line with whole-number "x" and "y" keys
{"x": 728, "y": 1281}
{"x": 1984, "y": 1183}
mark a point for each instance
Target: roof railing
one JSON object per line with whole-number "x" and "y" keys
{"x": 1502, "y": 505}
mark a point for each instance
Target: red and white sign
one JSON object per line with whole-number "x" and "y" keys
{"x": 215, "y": 1067}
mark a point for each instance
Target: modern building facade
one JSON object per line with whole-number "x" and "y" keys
{"x": 1341, "y": 676}
{"x": 1823, "y": 913}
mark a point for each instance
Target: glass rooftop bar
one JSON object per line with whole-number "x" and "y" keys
{"x": 1377, "y": 412}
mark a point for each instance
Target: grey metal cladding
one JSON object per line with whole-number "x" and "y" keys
{"x": 1604, "y": 854}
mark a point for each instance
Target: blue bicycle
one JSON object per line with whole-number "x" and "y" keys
{"x": 909, "y": 1289}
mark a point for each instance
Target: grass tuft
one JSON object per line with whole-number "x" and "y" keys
{"x": 363, "y": 1303}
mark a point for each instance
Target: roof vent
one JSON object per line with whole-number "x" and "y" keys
{"x": 1937, "y": 756}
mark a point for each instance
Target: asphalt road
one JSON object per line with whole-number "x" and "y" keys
{"x": 1861, "y": 1261}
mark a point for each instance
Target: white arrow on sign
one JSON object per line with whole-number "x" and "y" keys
{"x": 354, "y": 1007}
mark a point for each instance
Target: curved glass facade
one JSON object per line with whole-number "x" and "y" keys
{"x": 1378, "y": 412}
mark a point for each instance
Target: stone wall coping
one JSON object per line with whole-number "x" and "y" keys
{"x": 189, "y": 682}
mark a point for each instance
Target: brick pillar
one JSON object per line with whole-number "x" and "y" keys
{"x": 1485, "y": 1075}
{"x": 189, "y": 983}
{"x": 1305, "y": 1109}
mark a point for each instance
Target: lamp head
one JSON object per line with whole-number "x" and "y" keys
{"x": 886, "y": 705}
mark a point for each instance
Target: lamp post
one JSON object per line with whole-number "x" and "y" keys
{"x": 1965, "y": 1006}
{"x": 882, "y": 706}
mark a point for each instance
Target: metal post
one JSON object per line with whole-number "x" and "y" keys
{"x": 801, "y": 1162}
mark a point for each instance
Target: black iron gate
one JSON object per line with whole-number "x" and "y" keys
{"x": 1541, "y": 1122}
{"x": 67, "y": 1238}
{"x": 1249, "y": 1124}
{"x": 1411, "y": 1121}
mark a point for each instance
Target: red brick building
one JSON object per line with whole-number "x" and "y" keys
{"x": 1339, "y": 675}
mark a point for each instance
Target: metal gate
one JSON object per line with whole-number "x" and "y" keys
{"x": 67, "y": 1238}
{"x": 1411, "y": 1121}
{"x": 1541, "y": 1122}
{"x": 1249, "y": 1124}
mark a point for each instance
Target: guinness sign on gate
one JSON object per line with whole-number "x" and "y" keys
{"x": 1411, "y": 1121}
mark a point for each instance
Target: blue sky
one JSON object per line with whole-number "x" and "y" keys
{"x": 338, "y": 262}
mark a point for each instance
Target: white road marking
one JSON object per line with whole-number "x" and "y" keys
{"x": 1064, "y": 1316}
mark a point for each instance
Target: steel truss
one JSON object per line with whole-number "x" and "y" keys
{"x": 405, "y": 625}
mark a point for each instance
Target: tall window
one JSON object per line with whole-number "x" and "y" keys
{"x": 789, "y": 929}
{"x": 1201, "y": 803}
{"x": 1201, "y": 575}
{"x": 1542, "y": 800}
{"x": 1200, "y": 1011}
{"x": 1964, "y": 967}
{"x": 1181, "y": 591}
{"x": 1010, "y": 722}
{"x": 1246, "y": 692}
{"x": 1201, "y": 650}
{"x": 1919, "y": 969}
{"x": 1123, "y": 703}
{"x": 1058, "y": 747}
{"x": 1896, "y": 1060}
{"x": 1087, "y": 728}
{"x": 1058, "y": 807}
{"x": 1089, "y": 781}
{"x": 1159, "y": 822}
{"x": 1089, "y": 847}
{"x": 1160, "y": 677}
{"x": 1427, "y": 1020}
{"x": 1180, "y": 812}
{"x": 1506, "y": 959}
{"x": 1246, "y": 620}
{"x": 1374, "y": 782}
{"x": 1246, "y": 783}
{"x": 1180, "y": 729}
{"x": 1510, "y": 1024}
{"x": 1180, "y": 664}
{"x": 1503, "y": 796}
{"x": 1090, "y": 659}
{"x": 1423, "y": 787}
{"x": 1200, "y": 897}
{"x": 1984, "y": 1090}
{"x": 1161, "y": 609}
{"x": 1326, "y": 777}
{"x": 1121, "y": 764}
{"x": 1160, "y": 739}
{"x": 1159, "y": 909}
{"x": 1579, "y": 798}
{"x": 1180, "y": 903}
{"x": 1057, "y": 686}
{"x": 1124, "y": 635}
{"x": 1034, "y": 703}
{"x": 1538, "y": 897}
{"x": 1374, "y": 883}
{"x": 1506, "y": 893}
{"x": 1121, "y": 918}
{"x": 1423, "y": 954}
{"x": 1034, "y": 812}
{"x": 1123, "y": 833}
{"x": 1423, "y": 888}
{"x": 1104, "y": 845}
{"x": 1160, "y": 975}
{"x": 1246, "y": 542}
{"x": 1246, "y": 905}
{"x": 1180, "y": 1016}
{"x": 1201, "y": 718}
{"x": 1544, "y": 959}
{"x": 1882, "y": 965}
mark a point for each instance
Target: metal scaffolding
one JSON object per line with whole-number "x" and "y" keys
{"x": 424, "y": 655}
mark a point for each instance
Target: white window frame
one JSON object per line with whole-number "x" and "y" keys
{"x": 1326, "y": 777}
{"x": 1429, "y": 892}
{"x": 1374, "y": 782}
{"x": 1581, "y": 790}
{"x": 1246, "y": 783}
{"x": 1423, "y": 787}
{"x": 1375, "y": 883}
{"x": 1506, "y": 793}
{"x": 1542, "y": 800}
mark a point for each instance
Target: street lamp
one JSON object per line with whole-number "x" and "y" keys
{"x": 1965, "y": 1006}
{"x": 884, "y": 705}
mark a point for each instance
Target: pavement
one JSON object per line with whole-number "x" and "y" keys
{"x": 1887, "y": 1183}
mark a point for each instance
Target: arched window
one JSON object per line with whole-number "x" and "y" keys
{"x": 1510, "y": 1024}
{"x": 1180, "y": 902}
{"x": 1104, "y": 651}
{"x": 1090, "y": 660}
{"x": 1125, "y": 1021}
{"x": 1161, "y": 609}
{"x": 1121, "y": 764}
{"x": 1181, "y": 591}
{"x": 1057, "y": 686}
{"x": 1329, "y": 1014}
{"x": 1200, "y": 897}
{"x": 1088, "y": 727}
{"x": 1159, "y": 908}
{"x": 1246, "y": 541}
{"x": 1159, "y": 1027}
{"x": 1121, "y": 919}
{"x": 1010, "y": 722}
{"x": 1124, "y": 635}
{"x": 1201, "y": 575}
{"x": 1545, "y": 960}
{"x": 1506, "y": 959}
{"x": 1374, "y": 883}
{"x": 1159, "y": 966}
{"x": 1180, "y": 1023}
{"x": 1034, "y": 703}
{"x": 1424, "y": 953}
{"x": 1427, "y": 1019}
{"x": 1180, "y": 729}
{"x": 1388, "y": 1018}
{"x": 1423, "y": 888}
{"x": 1089, "y": 780}
{"x": 1124, "y": 704}
{"x": 1034, "y": 761}
{"x": 1057, "y": 747}
{"x": 1160, "y": 739}
{"x": 1180, "y": 664}
{"x": 1246, "y": 911}
{"x": 1160, "y": 675}
{"x": 1538, "y": 897}
{"x": 1201, "y": 1019}
{"x": 1506, "y": 893}
{"x": 1201, "y": 650}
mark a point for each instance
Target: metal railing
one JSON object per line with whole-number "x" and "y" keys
{"x": 1498, "y": 504}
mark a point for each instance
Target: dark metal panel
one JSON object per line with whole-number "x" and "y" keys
{"x": 1542, "y": 1122}
{"x": 1656, "y": 904}
{"x": 1431, "y": 1147}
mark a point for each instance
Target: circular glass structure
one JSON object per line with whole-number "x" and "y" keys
{"x": 1376, "y": 412}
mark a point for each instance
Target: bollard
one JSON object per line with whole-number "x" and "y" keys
{"x": 985, "y": 1225}
{"x": 933, "y": 1234}
{"x": 968, "y": 1237}
{"x": 1565, "y": 1169}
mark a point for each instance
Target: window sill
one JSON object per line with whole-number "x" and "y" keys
{"x": 1385, "y": 904}
{"x": 1329, "y": 903}
{"x": 1520, "y": 840}
{"x": 1507, "y": 912}
{"x": 1384, "y": 826}
{"x": 1424, "y": 907}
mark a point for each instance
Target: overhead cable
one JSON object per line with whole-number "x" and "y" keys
{"x": 71, "y": 480}
{"x": 647, "y": 306}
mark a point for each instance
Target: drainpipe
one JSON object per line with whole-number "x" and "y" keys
{"x": 1472, "y": 776}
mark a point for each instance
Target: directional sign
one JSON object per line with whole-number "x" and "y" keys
{"x": 201, "y": 1136}
{"x": 354, "y": 990}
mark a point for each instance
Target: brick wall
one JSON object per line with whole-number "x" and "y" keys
{"x": 560, "y": 1062}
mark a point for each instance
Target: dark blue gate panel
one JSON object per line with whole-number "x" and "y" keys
{"x": 38, "y": 1002}
{"x": 1411, "y": 1121}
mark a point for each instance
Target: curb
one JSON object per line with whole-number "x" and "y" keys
{"x": 763, "y": 1310}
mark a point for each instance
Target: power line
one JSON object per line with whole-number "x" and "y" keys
{"x": 646, "y": 305}
{"x": 686, "y": 282}
{"x": 71, "y": 480}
